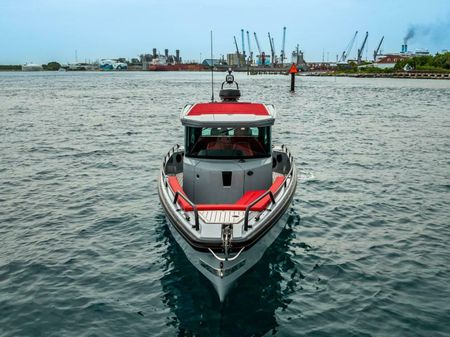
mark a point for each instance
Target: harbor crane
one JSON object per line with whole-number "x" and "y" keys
{"x": 249, "y": 48}
{"x": 257, "y": 44}
{"x": 237, "y": 52}
{"x": 360, "y": 50}
{"x": 283, "y": 52}
{"x": 274, "y": 51}
{"x": 272, "y": 48}
{"x": 243, "y": 43}
{"x": 349, "y": 48}
{"x": 262, "y": 55}
{"x": 377, "y": 51}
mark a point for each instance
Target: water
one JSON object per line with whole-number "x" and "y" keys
{"x": 85, "y": 249}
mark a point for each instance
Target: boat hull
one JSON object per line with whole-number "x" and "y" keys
{"x": 211, "y": 267}
{"x": 204, "y": 244}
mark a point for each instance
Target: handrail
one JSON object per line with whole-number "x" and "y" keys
{"x": 172, "y": 149}
{"x": 247, "y": 209}
{"x": 269, "y": 192}
{"x": 226, "y": 259}
{"x": 177, "y": 194}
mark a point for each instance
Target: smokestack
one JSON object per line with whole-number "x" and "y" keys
{"x": 177, "y": 56}
{"x": 154, "y": 53}
{"x": 166, "y": 52}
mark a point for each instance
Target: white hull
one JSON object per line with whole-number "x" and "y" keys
{"x": 226, "y": 196}
{"x": 210, "y": 267}
{"x": 32, "y": 67}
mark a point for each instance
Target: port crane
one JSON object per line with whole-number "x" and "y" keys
{"x": 261, "y": 54}
{"x": 243, "y": 43}
{"x": 274, "y": 52}
{"x": 283, "y": 52}
{"x": 249, "y": 48}
{"x": 272, "y": 48}
{"x": 237, "y": 51}
{"x": 360, "y": 50}
{"x": 377, "y": 51}
{"x": 348, "y": 50}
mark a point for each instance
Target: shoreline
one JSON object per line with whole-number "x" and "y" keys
{"x": 275, "y": 71}
{"x": 411, "y": 75}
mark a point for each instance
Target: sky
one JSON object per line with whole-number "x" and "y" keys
{"x": 41, "y": 31}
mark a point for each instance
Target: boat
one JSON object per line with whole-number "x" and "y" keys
{"x": 31, "y": 67}
{"x": 225, "y": 193}
{"x": 112, "y": 65}
{"x": 176, "y": 67}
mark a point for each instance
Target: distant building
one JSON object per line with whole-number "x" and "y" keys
{"x": 388, "y": 61}
{"x": 235, "y": 59}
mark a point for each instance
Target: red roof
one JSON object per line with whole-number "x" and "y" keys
{"x": 228, "y": 109}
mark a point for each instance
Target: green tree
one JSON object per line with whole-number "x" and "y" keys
{"x": 439, "y": 62}
{"x": 53, "y": 66}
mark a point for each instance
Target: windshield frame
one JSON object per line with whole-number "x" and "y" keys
{"x": 195, "y": 135}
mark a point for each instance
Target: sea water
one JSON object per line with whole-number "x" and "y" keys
{"x": 84, "y": 245}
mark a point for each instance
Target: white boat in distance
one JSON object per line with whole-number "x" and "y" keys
{"x": 32, "y": 67}
{"x": 226, "y": 191}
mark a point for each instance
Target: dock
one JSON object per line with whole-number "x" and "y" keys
{"x": 412, "y": 75}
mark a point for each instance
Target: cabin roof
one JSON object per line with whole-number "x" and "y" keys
{"x": 228, "y": 114}
{"x": 234, "y": 108}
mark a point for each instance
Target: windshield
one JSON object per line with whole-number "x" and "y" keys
{"x": 228, "y": 143}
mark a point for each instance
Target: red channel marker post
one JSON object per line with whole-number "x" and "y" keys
{"x": 293, "y": 71}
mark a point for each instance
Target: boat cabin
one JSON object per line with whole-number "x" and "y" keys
{"x": 228, "y": 149}
{"x": 228, "y": 166}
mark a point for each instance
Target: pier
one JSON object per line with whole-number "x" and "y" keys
{"x": 413, "y": 75}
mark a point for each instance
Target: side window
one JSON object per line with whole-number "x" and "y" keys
{"x": 254, "y": 132}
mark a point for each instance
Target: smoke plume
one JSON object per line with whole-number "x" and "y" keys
{"x": 410, "y": 33}
{"x": 436, "y": 33}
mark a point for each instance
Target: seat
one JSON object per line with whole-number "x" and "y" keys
{"x": 240, "y": 205}
{"x": 244, "y": 148}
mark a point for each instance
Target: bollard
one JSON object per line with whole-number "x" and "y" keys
{"x": 293, "y": 71}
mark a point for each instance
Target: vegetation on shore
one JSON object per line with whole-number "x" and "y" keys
{"x": 436, "y": 63}
{"x": 439, "y": 63}
{"x": 53, "y": 66}
{"x": 10, "y": 67}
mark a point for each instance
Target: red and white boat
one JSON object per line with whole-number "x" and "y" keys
{"x": 225, "y": 191}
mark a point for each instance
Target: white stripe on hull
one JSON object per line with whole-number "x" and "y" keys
{"x": 210, "y": 267}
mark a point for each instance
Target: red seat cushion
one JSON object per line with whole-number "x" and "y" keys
{"x": 239, "y": 205}
{"x": 264, "y": 202}
{"x": 176, "y": 187}
{"x": 249, "y": 196}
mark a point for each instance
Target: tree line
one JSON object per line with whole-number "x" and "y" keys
{"x": 438, "y": 62}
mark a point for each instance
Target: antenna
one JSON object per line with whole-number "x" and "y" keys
{"x": 212, "y": 70}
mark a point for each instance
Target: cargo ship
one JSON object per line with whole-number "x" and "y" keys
{"x": 176, "y": 67}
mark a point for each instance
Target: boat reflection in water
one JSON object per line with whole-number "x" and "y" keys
{"x": 251, "y": 308}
